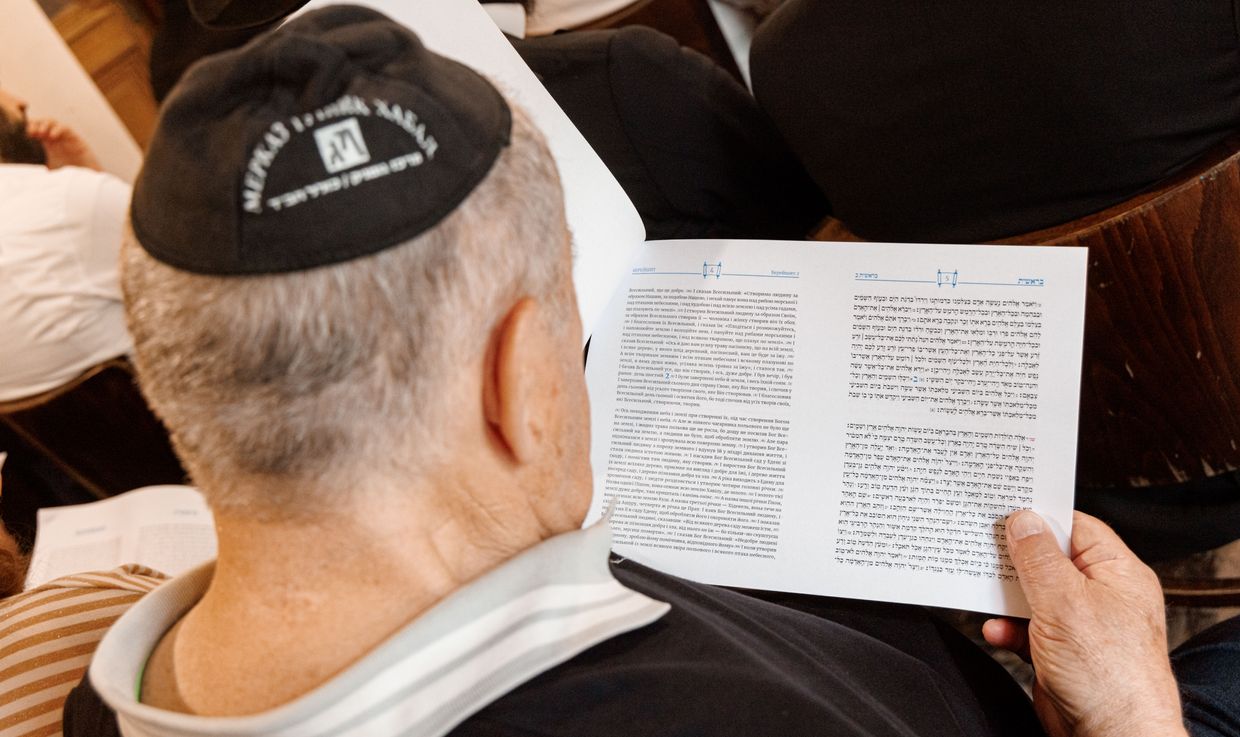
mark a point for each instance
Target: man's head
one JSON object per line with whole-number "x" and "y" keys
{"x": 16, "y": 147}
{"x": 340, "y": 244}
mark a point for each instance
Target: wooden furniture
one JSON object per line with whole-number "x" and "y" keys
{"x": 1160, "y": 391}
{"x": 1160, "y": 388}
{"x": 154, "y": 11}
{"x": 690, "y": 22}
{"x": 112, "y": 41}
{"x": 99, "y": 430}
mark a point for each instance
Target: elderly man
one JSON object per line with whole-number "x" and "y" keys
{"x": 350, "y": 293}
{"x": 60, "y": 231}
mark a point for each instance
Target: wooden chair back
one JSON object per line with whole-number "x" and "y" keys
{"x": 1160, "y": 388}
{"x": 99, "y": 430}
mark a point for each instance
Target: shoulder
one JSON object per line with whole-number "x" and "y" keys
{"x": 92, "y": 188}
{"x": 35, "y": 196}
{"x": 632, "y": 54}
{"x": 718, "y": 663}
{"x": 61, "y": 178}
{"x": 16, "y": 179}
{"x": 47, "y": 637}
{"x": 645, "y": 62}
{"x": 131, "y": 577}
{"x": 62, "y": 601}
{"x": 643, "y": 45}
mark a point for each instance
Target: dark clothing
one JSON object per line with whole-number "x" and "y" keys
{"x": 181, "y": 40}
{"x": 1161, "y": 523}
{"x": 966, "y": 121}
{"x": 1207, "y": 667}
{"x": 686, "y": 141}
{"x": 722, "y": 663}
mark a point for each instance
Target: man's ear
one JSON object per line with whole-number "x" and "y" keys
{"x": 519, "y": 391}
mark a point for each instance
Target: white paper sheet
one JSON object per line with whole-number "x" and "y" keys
{"x": 842, "y": 419}
{"x": 167, "y": 528}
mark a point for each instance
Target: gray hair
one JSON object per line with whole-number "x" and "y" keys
{"x": 318, "y": 379}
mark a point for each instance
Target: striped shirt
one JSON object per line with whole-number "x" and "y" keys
{"x": 531, "y": 613}
{"x": 47, "y": 637}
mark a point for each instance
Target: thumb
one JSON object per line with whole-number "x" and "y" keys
{"x": 1044, "y": 570}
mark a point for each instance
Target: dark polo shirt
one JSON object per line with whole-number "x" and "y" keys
{"x": 723, "y": 663}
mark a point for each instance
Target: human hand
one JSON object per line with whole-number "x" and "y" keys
{"x": 1098, "y": 635}
{"x": 62, "y": 144}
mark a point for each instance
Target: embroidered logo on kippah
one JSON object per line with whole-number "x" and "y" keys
{"x": 341, "y": 145}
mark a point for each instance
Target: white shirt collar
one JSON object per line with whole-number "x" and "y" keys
{"x": 533, "y": 612}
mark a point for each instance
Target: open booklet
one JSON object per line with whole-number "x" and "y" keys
{"x": 167, "y": 528}
{"x": 841, "y": 419}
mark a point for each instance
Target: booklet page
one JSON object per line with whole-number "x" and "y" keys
{"x": 845, "y": 419}
{"x": 167, "y": 528}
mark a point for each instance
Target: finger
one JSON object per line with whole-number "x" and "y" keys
{"x": 1094, "y": 542}
{"x": 1046, "y": 574}
{"x": 44, "y": 129}
{"x": 1008, "y": 634}
{"x": 39, "y": 129}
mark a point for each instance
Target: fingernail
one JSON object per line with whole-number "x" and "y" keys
{"x": 1023, "y": 524}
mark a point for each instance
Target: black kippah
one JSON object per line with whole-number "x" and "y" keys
{"x": 335, "y": 136}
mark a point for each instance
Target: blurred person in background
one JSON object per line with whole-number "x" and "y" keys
{"x": 60, "y": 230}
{"x": 960, "y": 121}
